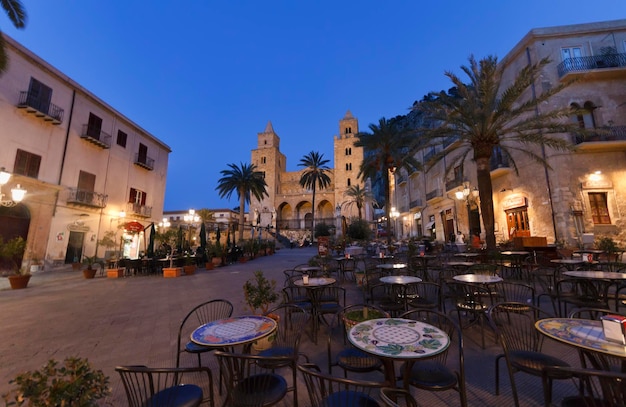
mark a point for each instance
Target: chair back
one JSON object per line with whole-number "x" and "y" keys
{"x": 329, "y": 391}
{"x": 514, "y": 324}
{"x": 510, "y": 291}
{"x": 596, "y": 388}
{"x": 484, "y": 269}
{"x": 397, "y": 397}
{"x": 424, "y": 294}
{"x": 292, "y": 322}
{"x": 145, "y": 386}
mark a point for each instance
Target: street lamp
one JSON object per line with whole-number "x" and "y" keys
{"x": 394, "y": 215}
{"x": 191, "y": 218}
{"x": 17, "y": 193}
{"x": 464, "y": 194}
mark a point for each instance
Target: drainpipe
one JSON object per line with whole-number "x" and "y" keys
{"x": 543, "y": 154}
{"x": 67, "y": 137}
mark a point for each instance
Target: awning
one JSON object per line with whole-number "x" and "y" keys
{"x": 133, "y": 227}
{"x": 429, "y": 225}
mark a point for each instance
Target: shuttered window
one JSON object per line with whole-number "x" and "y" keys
{"x": 599, "y": 208}
{"x": 27, "y": 164}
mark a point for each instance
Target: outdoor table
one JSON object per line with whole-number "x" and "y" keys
{"x": 398, "y": 339}
{"x": 354, "y": 250}
{"x": 586, "y": 335}
{"x": 400, "y": 279}
{"x": 570, "y": 264}
{"x": 515, "y": 253}
{"x": 595, "y": 275}
{"x": 423, "y": 259}
{"x": 309, "y": 269}
{"x": 315, "y": 282}
{"x": 595, "y": 253}
{"x": 383, "y": 259}
{"x": 477, "y": 278}
{"x": 391, "y": 267}
{"x": 233, "y": 331}
{"x": 468, "y": 256}
{"x": 459, "y": 265}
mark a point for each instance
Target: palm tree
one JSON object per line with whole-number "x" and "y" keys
{"x": 387, "y": 148}
{"x": 314, "y": 175}
{"x": 17, "y": 14}
{"x": 483, "y": 116}
{"x": 245, "y": 180}
{"x": 359, "y": 197}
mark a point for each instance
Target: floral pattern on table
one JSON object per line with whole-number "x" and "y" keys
{"x": 399, "y": 338}
{"x": 233, "y": 331}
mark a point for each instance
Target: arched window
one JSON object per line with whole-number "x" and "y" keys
{"x": 348, "y": 166}
{"x": 349, "y": 182}
{"x": 348, "y": 130}
{"x": 348, "y": 151}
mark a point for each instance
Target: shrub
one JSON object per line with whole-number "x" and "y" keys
{"x": 359, "y": 229}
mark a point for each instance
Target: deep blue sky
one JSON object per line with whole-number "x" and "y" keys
{"x": 206, "y": 76}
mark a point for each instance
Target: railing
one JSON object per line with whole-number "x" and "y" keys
{"x": 498, "y": 161}
{"x": 614, "y": 133}
{"x": 453, "y": 183}
{"x": 401, "y": 178}
{"x": 144, "y": 161}
{"x": 50, "y": 111}
{"x": 450, "y": 140}
{"x": 85, "y": 197}
{"x": 139, "y": 210}
{"x": 581, "y": 64}
{"x": 96, "y": 136}
{"x": 416, "y": 203}
{"x": 301, "y": 224}
{"x": 435, "y": 193}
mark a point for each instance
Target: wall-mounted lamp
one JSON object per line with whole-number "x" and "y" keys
{"x": 17, "y": 193}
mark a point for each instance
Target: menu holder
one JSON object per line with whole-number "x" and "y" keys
{"x": 614, "y": 328}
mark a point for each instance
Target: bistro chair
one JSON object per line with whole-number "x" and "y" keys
{"x": 250, "y": 379}
{"x": 201, "y": 314}
{"x": 595, "y": 388}
{"x": 581, "y": 293}
{"x": 328, "y": 300}
{"x": 511, "y": 291}
{"x": 471, "y": 302}
{"x": 423, "y": 295}
{"x": 330, "y": 391}
{"x": 389, "y": 297}
{"x": 438, "y": 373}
{"x": 351, "y": 359}
{"x": 395, "y": 397}
{"x": 175, "y": 387}
{"x": 292, "y": 321}
{"x": 514, "y": 324}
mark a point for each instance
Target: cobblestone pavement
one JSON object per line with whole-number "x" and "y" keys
{"x": 135, "y": 320}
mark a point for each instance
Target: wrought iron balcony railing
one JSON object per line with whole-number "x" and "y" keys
{"x": 85, "y": 197}
{"x": 139, "y": 210}
{"x": 41, "y": 108}
{"x": 416, "y": 203}
{"x": 144, "y": 162}
{"x": 453, "y": 183}
{"x": 435, "y": 193}
{"x": 582, "y": 64}
{"x": 96, "y": 136}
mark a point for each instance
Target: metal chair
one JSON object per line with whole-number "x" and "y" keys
{"x": 395, "y": 397}
{"x": 176, "y": 387}
{"x": 595, "y": 388}
{"x": 508, "y": 291}
{"x": 329, "y": 391}
{"x": 514, "y": 324}
{"x": 389, "y": 297}
{"x": 472, "y": 302}
{"x": 581, "y": 293}
{"x": 436, "y": 373}
{"x": 250, "y": 379}
{"x": 423, "y": 295}
{"x": 201, "y": 314}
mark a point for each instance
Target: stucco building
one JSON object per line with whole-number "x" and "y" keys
{"x": 86, "y": 167}
{"x": 583, "y": 191}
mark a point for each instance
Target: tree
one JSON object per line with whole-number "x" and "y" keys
{"x": 359, "y": 197}
{"x": 387, "y": 148}
{"x": 246, "y": 181}
{"x": 314, "y": 175}
{"x": 17, "y": 14}
{"x": 483, "y": 116}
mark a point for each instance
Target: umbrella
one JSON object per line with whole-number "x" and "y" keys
{"x": 218, "y": 234}
{"x": 203, "y": 236}
{"x": 179, "y": 240}
{"x": 150, "y": 249}
{"x": 228, "y": 237}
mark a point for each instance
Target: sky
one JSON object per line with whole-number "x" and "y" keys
{"x": 206, "y": 76}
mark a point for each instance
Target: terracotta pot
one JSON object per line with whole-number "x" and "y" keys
{"x": 20, "y": 281}
{"x": 115, "y": 273}
{"x": 189, "y": 270}
{"x": 87, "y": 273}
{"x": 208, "y": 266}
{"x": 171, "y": 272}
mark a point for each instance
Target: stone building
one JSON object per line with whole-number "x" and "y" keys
{"x": 86, "y": 167}
{"x": 583, "y": 191}
{"x": 288, "y": 206}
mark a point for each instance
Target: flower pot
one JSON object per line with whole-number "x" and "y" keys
{"x": 19, "y": 281}
{"x": 208, "y": 265}
{"x": 76, "y": 266}
{"x": 115, "y": 273}
{"x": 89, "y": 273}
{"x": 216, "y": 261}
{"x": 171, "y": 272}
{"x": 351, "y": 318}
{"x": 189, "y": 270}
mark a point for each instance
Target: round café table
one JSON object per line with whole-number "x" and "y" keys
{"x": 570, "y": 264}
{"x": 595, "y": 275}
{"x": 398, "y": 339}
{"x": 315, "y": 282}
{"x": 477, "y": 278}
{"x": 233, "y": 331}
{"x": 400, "y": 279}
{"x": 391, "y": 267}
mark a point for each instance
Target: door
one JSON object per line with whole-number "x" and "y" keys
{"x": 74, "y": 251}
{"x": 39, "y": 96}
{"x": 517, "y": 222}
{"x": 86, "y": 184}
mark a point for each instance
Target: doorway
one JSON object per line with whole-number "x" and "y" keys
{"x": 74, "y": 251}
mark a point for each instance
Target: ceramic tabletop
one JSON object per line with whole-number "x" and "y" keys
{"x": 233, "y": 331}
{"x": 398, "y": 338}
{"x": 400, "y": 279}
{"x": 477, "y": 278}
{"x": 593, "y": 274}
{"x": 315, "y": 282}
{"x": 583, "y": 333}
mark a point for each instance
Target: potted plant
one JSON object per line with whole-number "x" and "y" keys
{"x": 259, "y": 294}
{"x": 75, "y": 383}
{"x": 359, "y": 314}
{"x": 190, "y": 265}
{"x": 11, "y": 252}
{"x": 89, "y": 272}
{"x": 608, "y": 245}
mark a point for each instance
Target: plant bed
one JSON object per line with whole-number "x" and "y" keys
{"x": 171, "y": 272}
{"x": 189, "y": 270}
{"x": 115, "y": 273}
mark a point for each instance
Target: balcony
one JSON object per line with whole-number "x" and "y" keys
{"x": 144, "y": 162}
{"x": 581, "y": 65}
{"x": 453, "y": 183}
{"x": 499, "y": 164}
{"x": 96, "y": 136}
{"x": 138, "y": 210}
{"x": 400, "y": 178}
{"x": 434, "y": 195}
{"x": 450, "y": 141}
{"x": 416, "y": 203}
{"x": 83, "y": 197}
{"x": 49, "y": 112}
{"x": 606, "y": 138}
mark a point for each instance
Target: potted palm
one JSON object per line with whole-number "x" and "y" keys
{"x": 11, "y": 252}
{"x": 170, "y": 238}
{"x": 75, "y": 383}
{"x": 89, "y": 261}
{"x": 259, "y": 294}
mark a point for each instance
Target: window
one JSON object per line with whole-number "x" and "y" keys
{"x": 121, "y": 138}
{"x": 572, "y": 52}
{"x": 27, "y": 164}
{"x": 348, "y": 166}
{"x": 142, "y": 155}
{"x": 39, "y": 95}
{"x": 263, "y": 160}
{"x": 94, "y": 126}
{"x": 348, "y": 151}
{"x": 599, "y": 208}
{"x": 458, "y": 173}
{"x": 584, "y": 115}
{"x": 349, "y": 182}
{"x": 348, "y": 130}
{"x": 137, "y": 197}
{"x": 86, "y": 181}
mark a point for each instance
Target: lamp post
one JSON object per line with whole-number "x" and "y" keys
{"x": 464, "y": 194}
{"x": 338, "y": 220}
{"x": 17, "y": 193}
{"x": 191, "y": 218}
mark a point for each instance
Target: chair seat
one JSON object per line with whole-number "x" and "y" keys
{"x": 348, "y": 398}
{"x": 582, "y": 401}
{"x": 432, "y": 375}
{"x": 184, "y": 395}
{"x": 270, "y": 388}
{"x": 534, "y": 362}
{"x": 193, "y": 347}
{"x": 356, "y": 360}
{"x": 276, "y": 351}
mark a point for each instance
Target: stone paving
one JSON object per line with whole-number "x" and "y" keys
{"x": 135, "y": 320}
